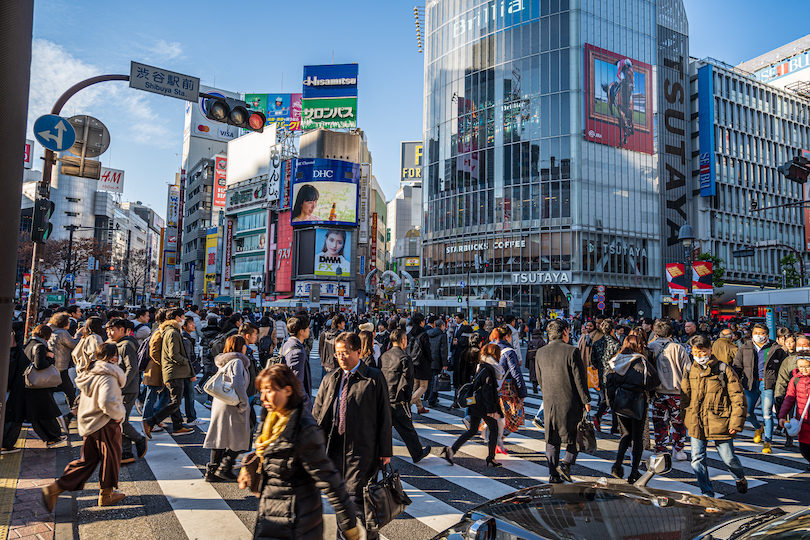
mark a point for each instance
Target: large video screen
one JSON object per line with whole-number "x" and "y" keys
{"x": 325, "y": 192}
{"x": 619, "y": 100}
{"x": 333, "y": 252}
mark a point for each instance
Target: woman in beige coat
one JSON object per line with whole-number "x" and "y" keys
{"x": 101, "y": 410}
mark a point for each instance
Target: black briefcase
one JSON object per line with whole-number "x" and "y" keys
{"x": 384, "y": 500}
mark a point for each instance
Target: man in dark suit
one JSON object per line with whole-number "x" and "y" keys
{"x": 353, "y": 409}
{"x": 564, "y": 385}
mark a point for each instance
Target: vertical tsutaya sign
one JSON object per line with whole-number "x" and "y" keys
{"x": 708, "y": 187}
{"x": 410, "y": 161}
{"x": 111, "y": 180}
{"x": 674, "y": 146}
{"x": 226, "y": 274}
{"x": 220, "y": 180}
{"x": 365, "y": 170}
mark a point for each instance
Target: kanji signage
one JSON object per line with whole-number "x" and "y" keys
{"x": 164, "y": 82}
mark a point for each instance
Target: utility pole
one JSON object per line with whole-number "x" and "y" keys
{"x": 16, "y": 33}
{"x": 69, "y": 265}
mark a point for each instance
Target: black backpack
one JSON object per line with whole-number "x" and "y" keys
{"x": 278, "y": 357}
{"x": 414, "y": 350}
{"x": 328, "y": 353}
{"x": 265, "y": 346}
{"x": 218, "y": 344}
{"x": 143, "y": 353}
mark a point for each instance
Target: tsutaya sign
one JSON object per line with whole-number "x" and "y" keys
{"x": 541, "y": 277}
{"x": 484, "y": 245}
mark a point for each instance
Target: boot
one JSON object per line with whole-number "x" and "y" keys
{"x": 455, "y": 400}
{"x": 50, "y": 494}
{"x": 210, "y": 472}
{"x": 225, "y": 469}
{"x": 788, "y": 441}
{"x": 109, "y": 497}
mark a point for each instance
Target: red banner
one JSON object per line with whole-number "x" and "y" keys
{"x": 702, "y": 272}
{"x": 676, "y": 280}
{"x": 284, "y": 253}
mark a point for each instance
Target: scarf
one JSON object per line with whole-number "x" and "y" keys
{"x": 271, "y": 430}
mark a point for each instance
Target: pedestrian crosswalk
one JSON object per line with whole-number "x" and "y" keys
{"x": 441, "y": 493}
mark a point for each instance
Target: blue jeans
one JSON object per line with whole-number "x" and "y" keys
{"x": 726, "y": 451}
{"x": 759, "y": 393}
{"x": 188, "y": 397}
{"x": 152, "y": 402}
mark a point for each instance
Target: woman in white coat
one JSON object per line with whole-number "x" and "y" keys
{"x": 229, "y": 430}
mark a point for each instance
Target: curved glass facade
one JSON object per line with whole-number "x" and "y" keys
{"x": 534, "y": 192}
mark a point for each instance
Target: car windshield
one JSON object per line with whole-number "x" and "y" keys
{"x": 795, "y": 526}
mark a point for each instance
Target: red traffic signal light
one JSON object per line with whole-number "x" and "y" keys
{"x": 234, "y": 113}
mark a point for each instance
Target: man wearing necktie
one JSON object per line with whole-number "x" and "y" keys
{"x": 352, "y": 407}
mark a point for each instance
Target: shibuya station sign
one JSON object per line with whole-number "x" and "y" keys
{"x": 553, "y": 278}
{"x": 484, "y": 245}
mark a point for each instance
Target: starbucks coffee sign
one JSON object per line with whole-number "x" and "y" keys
{"x": 541, "y": 278}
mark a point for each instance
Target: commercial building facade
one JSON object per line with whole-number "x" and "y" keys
{"x": 556, "y": 154}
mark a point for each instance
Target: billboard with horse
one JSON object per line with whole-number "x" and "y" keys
{"x": 619, "y": 100}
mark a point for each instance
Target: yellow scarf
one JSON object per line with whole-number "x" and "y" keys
{"x": 271, "y": 430}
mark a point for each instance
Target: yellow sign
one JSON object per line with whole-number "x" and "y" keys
{"x": 412, "y": 261}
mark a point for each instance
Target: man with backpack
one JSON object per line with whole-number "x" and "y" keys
{"x": 671, "y": 359}
{"x": 419, "y": 352}
{"x": 326, "y": 344}
{"x": 142, "y": 331}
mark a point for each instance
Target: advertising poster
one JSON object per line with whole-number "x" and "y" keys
{"x": 618, "y": 100}
{"x": 111, "y": 180}
{"x": 333, "y": 252}
{"x": 220, "y": 180}
{"x": 197, "y": 125}
{"x": 702, "y": 277}
{"x": 210, "y": 252}
{"x": 329, "y": 113}
{"x": 226, "y": 272}
{"x": 325, "y": 191}
{"x": 283, "y": 110}
{"x": 331, "y": 80}
{"x": 676, "y": 278}
{"x": 410, "y": 161}
{"x": 29, "y": 153}
{"x": 284, "y": 253}
{"x": 173, "y": 206}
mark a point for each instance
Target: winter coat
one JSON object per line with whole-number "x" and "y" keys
{"x": 422, "y": 364}
{"x": 510, "y": 363}
{"x": 601, "y": 353}
{"x": 564, "y": 384}
{"x": 128, "y": 361}
{"x": 632, "y": 372}
{"x": 486, "y": 386}
{"x": 462, "y": 337}
{"x": 671, "y": 359}
{"x": 724, "y": 350}
{"x": 85, "y": 351}
{"x": 294, "y": 470}
{"x": 746, "y": 364}
{"x": 798, "y": 392}
{"x": 209, "y": 334}
{"x": 230, "y": 424}
{"x": 326, "y": 348}
{"x": 536, "y": 342}
{"x": 708, "y": 410}
{"x": 295, "y": 356}
{"x": 101, "y": 400}
{"x": 281, "y": 331}
{"x": 397, "y": 368}
{"x": 174, "y": 361}
{"x": 585, "y": 346}
{"x": 153, "y": 374}
{"x": 142, "y": 332}
{"x": 62, "y": 345}
{"x": 368, "y": 426}
{"x": 438, "y": 348}
{"x": 30, "y": 404}
{"x": 785, "y": 375}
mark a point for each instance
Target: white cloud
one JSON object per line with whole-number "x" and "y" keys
{"x": 144, "y": 125}
{"x": 163, "y": 50}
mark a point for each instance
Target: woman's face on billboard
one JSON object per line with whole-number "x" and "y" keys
{"x": 334, "y": 243}
{"x": 308, "y": 208}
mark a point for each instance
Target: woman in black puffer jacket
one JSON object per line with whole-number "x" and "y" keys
{"x": 294, "y": 466}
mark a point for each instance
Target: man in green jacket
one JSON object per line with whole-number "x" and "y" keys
{"x": 176, "y": 368}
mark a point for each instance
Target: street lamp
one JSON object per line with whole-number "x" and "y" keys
{"x": 686, "y": 235}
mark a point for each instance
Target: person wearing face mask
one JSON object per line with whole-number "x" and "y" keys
{"x": 786, "y": 372}
{"x": 101, "y": 411}
{"x": 713, "y": 407}
{"x": 757, "y": 364}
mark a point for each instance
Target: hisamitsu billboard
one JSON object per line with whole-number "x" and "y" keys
{"x": 334, "y": 80}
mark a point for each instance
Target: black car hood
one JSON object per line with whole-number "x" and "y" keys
{"x": 602, "y": 511}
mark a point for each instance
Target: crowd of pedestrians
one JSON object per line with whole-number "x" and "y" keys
{"x": 701, "y": 381}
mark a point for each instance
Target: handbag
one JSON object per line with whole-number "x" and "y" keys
{"x": 383, "y": 501}
{"x": 221, "y": 387}
{"x": 442, "y": 382}
{"x": 42, "y": 378}
{"x": 629, "y": 404}
{"x": 586, "y": 435}
{"x": 250, "y": 466}
{"x": 593, "y": 378}
{"x": 795, "y": 425}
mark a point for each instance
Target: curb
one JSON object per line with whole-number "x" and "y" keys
{"x": 66, "y": 526}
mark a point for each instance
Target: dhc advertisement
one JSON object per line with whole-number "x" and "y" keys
{"x": 325, "y": 191}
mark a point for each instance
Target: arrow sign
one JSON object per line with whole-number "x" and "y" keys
{"x": 54, "y": 132}
{"x": 69, "y": 278}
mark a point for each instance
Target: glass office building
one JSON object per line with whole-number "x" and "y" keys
{"x": 558, "y": 153}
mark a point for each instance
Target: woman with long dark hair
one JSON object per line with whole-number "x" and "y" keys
{"x": 305, "y": 203}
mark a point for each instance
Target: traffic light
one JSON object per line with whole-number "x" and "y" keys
{"x": 234, "y": 113}
{"x": 41, "y": 226}
{"x": 796, "y": 169}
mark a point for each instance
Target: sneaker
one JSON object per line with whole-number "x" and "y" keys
{"x": 195, "y": 422}
{"x": 565, "y": 471}
{"x": 139, "y": 406}
{"x": 742, "y": 486}
{"x": 758, "y": 435}
{"x": 12, "y": 450}
{"x": 537, "y": 423}
{"x": 158, "y": 428}
{"x": 555, "y": 480}
{"x": 207, "y": 405}
{"x": 423, "y": 410}
{"x": 51, "y": 444}
{"x": 466, "y": 421}
{"x": 766, "y": 448}
{"x": 182, "y": 431}
{"x": 198, "y": 389}
{"x": 597, "y": 425}
{"x": 679, "y": 455}
{"x": 63, "y": 423}
{"x": 126, "y": 460}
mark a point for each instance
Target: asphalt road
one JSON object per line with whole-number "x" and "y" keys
{"x": 167, "y": 498}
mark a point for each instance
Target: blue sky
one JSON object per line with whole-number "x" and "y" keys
{"x": 253, "y": 46}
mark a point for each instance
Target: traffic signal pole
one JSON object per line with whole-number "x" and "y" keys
{"x": 45, "y": 192}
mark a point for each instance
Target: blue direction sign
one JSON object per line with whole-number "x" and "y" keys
{"x": 69, "y": 278}
{"x": 54, "y": 132}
